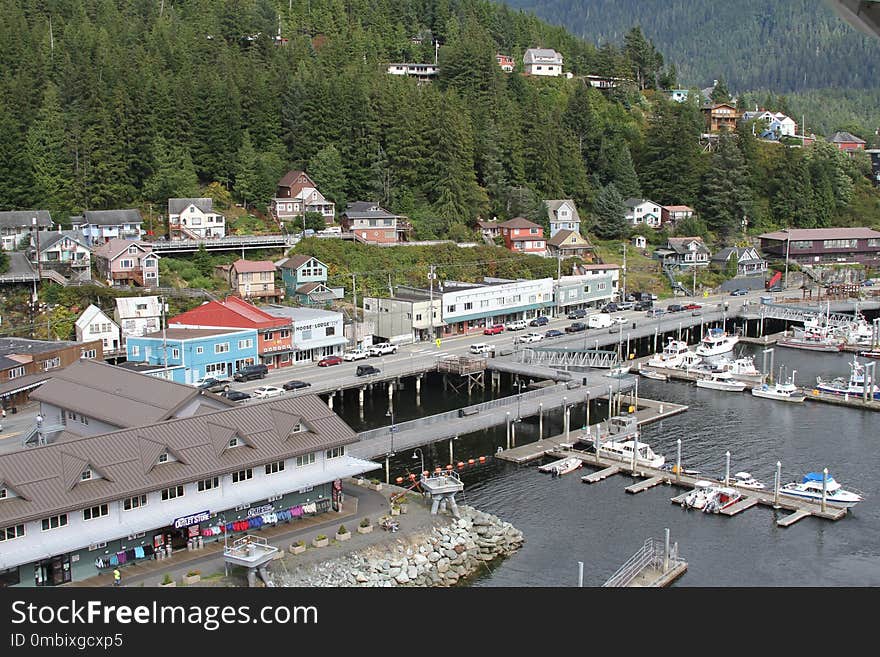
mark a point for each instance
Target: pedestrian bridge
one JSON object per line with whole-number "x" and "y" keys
{"x": 800, "y": 314}
{"x": 567, "y": 357}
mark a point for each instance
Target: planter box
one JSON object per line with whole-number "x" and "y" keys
{"x": 297, "y": 549}
{"x": 376, "y": 486}
{"x": 170, "y": 584}
{"x": 395, "y": 512}
{"x": 191, "y": 579}
{"x": 365, "y": 530}
{"x": 404, "y": 508}
{"x": 343, "y": 537}
{"x": 322, "y": 543}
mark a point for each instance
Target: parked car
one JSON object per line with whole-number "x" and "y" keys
{"x": 739, "y": 293}
{"x": 382, "y": 348}
{"x": 531, "y": 337}
{"x": 693, "y": 306}
{"x": 599, "y": 321}
{"x": 515, "y": 325}
{"x": 214, "y": 385}
{"x": 553, "y": 333}
{"x": 674, "y": 308}
{"x": 540, "y": 321}
{"x": 264, "y": 392}
{"x": 610, "y": 308}
{"x": 327, "y": 361}
{"x": 482, "y": 348}
{"x": 620, "y": 319}
{"x": 494, "y": 329}
{"x": 296, "y": 385}
{"x": 625, "y": 305}
{"x": 575, "y": 327}
{"x": 249, "y": 372}
{"x": 580, "y": 313}
{"x": 355, "y": 354}
{"x": 778, "y": 287}
{"x": 655, "y": 312}
{"x": 643, "y": 305}
{"x": 235, "y": 395}
{"x": 365, "y": 370}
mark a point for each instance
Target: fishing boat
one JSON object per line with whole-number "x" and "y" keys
{"x": 699, "y": 496}
{"x": 721, "y": 381}
{"x": 717, "y": 342}
{"x": 787, "y": 391}
{"x": 618, "y": 371}
{"x": 671, "y": 356}
{"x": 810, "y": 488}
{"x": 746, "y": 480}
{"x": 651, "y": 374}
{"x": 854, "y": 386}
{"x": 624, "y": 451}
{"x": 562, "y": 466}
{"x": 860, "y": 331}
{"x": 721, "y": 498}
{"x": 812, "y": 338}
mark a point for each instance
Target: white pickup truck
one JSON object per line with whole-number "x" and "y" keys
{"x": 382, "y": 349}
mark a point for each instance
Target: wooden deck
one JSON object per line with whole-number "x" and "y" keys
{"x": 645, "y": 485}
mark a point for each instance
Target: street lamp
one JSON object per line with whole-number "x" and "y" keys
{"x": 422, "y": 457}
{"x": 519, "y": 387}
{"x": 390, "y": 413}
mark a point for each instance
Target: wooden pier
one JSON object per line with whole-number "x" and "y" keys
{"x": 854, "y": 401}
{"x": 644, "y": 485}
{"x": 600, "y": 475}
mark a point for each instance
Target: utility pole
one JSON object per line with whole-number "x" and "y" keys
{"x": 164, "y": 334}
{"x": 431, "y": 301}
{"x": 787, "y": 249}
{"x": 623, "y": 290}
{"x": 354, "y": 315}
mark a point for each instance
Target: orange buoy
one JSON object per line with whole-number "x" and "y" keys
{"x": 411, "y": 476}
{"x": 399, "y": 480}
{"x": 470, "y": 461}
{"x": 482, "y": 458}
{"x": 461, "y": 464}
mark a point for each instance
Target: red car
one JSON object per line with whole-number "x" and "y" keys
{"x": 693, "y": 306}
{"x": 494, "y": 329}
{"x": 329, "y": 360}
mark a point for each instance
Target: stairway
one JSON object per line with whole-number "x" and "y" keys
{"x": 676, "y": 286}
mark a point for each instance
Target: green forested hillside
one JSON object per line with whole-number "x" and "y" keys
{"x": 111, "y": 104}
{"x": 787, "y": 46}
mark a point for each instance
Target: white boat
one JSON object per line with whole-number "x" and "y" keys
{"x": 562, "y": 466}
{"x": 743, "y": 366}
{"x": 860, "y": 331}
{"x": 812, "y": 338}
{"x": 721, "y": 381}
{"x": 651, "y": 374}
{"x": 722, "y": 497}
{"x": 618, "y": 371}
{"x": 699, "y": 496}
{"x": 717, "y": 342}
{"x": 671, "y": 356}
{"x": 623, "y": 450}
{"x": 787, "y": 391}
{"x": 746, "y": 480}
{"x": 855, "y": 386}
{"x": 810, "y": 488}
{"x": 690, "y": 362}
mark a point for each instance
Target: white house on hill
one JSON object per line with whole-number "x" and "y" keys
{"x": 543, "y": 61}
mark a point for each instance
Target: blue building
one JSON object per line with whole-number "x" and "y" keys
{"x": 305, "y": 280}
{"x": 189, "y": 355}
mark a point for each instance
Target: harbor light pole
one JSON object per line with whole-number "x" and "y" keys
{"x": 422, "y": 457}
{"x": 776, "y": 484}
{"x": 824, "y": 487}
{"x": 678, "y": 460}
{"x": 787, "y": 249}
{"x": 727, "y": 468}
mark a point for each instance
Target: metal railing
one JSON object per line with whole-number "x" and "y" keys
{"x": 651, "y": 555}
{"x": 567, "y": 357}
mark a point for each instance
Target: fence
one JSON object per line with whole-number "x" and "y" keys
{"x": 651, "y": 555}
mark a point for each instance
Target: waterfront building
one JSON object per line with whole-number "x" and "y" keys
{"x": 405, "y": 317}
{"x": 316, "y": 333}
{"x": 469, "y": 307}
{"x": 591, "y": 286}
{"x": 815, "y": 246}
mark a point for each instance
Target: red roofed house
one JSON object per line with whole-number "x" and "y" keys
{"x": 523, "y": 236}
{"x": 274, "y": 334}
{"x": 672, "y": 214}
{"x": 846, "y": 141}
{"x": 253, "y": 279}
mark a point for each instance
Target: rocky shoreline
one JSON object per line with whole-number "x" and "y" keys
{"x": 443, "y": 555}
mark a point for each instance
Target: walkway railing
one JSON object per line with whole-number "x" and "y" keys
{"x": 795, "y": 314}
{"x": 563, "y": 357}
{"x": 651, "y": 555}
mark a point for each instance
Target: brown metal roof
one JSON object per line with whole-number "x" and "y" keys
{"x": 858, "y": 233}
{"x": 519, "y": 222}
{"x": 126, "y": 459}
{"x": 118, "y": 396}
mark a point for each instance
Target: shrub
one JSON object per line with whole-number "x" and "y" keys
{"x": 299, "y": 543}
{"x": 193, "y": 573}
{"x": 374, "y": 481}
{"x": 365, "y": 522}
{"x": 342, "y": 530}
{"x": 320, "y": 537}
{"x": 167, "y": 579}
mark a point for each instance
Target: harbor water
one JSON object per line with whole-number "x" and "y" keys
{"x": 566, "y": 521}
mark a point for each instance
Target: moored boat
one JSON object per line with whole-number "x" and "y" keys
{"x": 812, "y": 338}
{"x": 787, "y": 391}
{"x": 651, "y": 374}
{"x": 810, "y": 489}
{"x": 671, "y": 355}
{"x": 746, "y": 480}
{"x": 699, "y": 496}
{"x": 855, "y": 386}
{"x": 721, "y": 498}
{"x": 624, "y": 451}
{"x": 618, "y": 371}
{"x": 717, "y": 342}
{"x": 869, "y": 354}
{"x": 721, "y": 381}
{"x": 562, "y": 466}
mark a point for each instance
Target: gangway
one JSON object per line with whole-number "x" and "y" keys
{"x": 568, "y": 357}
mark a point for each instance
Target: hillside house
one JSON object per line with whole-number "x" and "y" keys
{"x": 305, "y": 281}
{"x": 103, "y": 225}
{"x": 94, "y": 324}
{"x": 568, "y": 243}
{"x": 125, "y": 263}
{"x": 297, "y": 194}
{"x": 563, "y": 215}
{"x": 64, "y": 251}
{"x": 371, "y": 223}
{"x": 720, "y": 116}
{"x": 421, "y": 72}
{"x": 846, "y": 141}
{"x": 642, "y": 211}
{"x": 194, "y": 218}
{"x": 672, "y": 214}
{"x": 684, "y": 252}
{"x": 18, "y": 224}
{"x": 748, "y": 260}
{"x": 253, "y": 279}
{"x": 137, "y": 316}
{"x": 523, "y": 236}
{"x": 505, "y": 62}
{"x": 679, "y": 95}
{"x": 542, "y": 61}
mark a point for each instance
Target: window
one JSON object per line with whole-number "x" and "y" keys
{"x": 221, "y": 348}
{"x": 208, "y": 484}
{"x": 171, "y": 493}
{"x": 132, "y": 249}
{"x": 336, "y": 452}
{"x": 272, "y": 468}
{"x": 140, "y": 306}
{"x": 135, "y": 350}
{"x": 89, "y": 353}
{"x": 418, "y": 317}
{"x": 802, "y": 244}
{"x": 126, "y": 264}
{"x": 873, "y": 241}
{"x": 840, "y": 244}
{"x": 305, "y": 459}
{"x": 246, "y": 344}
{"x": 4, "y": 493}
{"x": 242, "y": 475}
{"x": 306, "y": 335}
{"x": 163, "y": 458}
{"x": 85, "y": 475}
{"x": 135, "y": 502}
{"x": 269, "y": 336}
{"x": 175, "y": 353}
{"x": 95, "y": 512}
{"x": 54, "y": 522}
{"x": 468, "y": 305}
{"x": 331, "y": 330}
{"x": 200, "y": 350}
{"x": 97, "y": 546}
{"x": 9, "y": 533}
{"x": 450, "y": 309}
{"x": 16, "y": 372}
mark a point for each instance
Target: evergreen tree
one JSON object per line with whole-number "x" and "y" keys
{"x": 174, "y": 175}
{"x": 609, "y": 214}
{"x": 247, "y": 174}
{"x": 727, "y": 196}
{"x": 47, "y": 156}
{"x": 328, "y": 172}
{"x": 720, "y": 93}
{"x": 202, "y": 261}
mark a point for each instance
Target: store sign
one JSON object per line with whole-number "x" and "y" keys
{"x": 260, "y": 510}
{"x": 195, "y": 518}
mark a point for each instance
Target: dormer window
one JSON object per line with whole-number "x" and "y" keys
{"x": 163, "y": 458}
{"x": 85, "y": 475}
{"x": 235, "y": 441}
{"x": 4, "y": 493}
